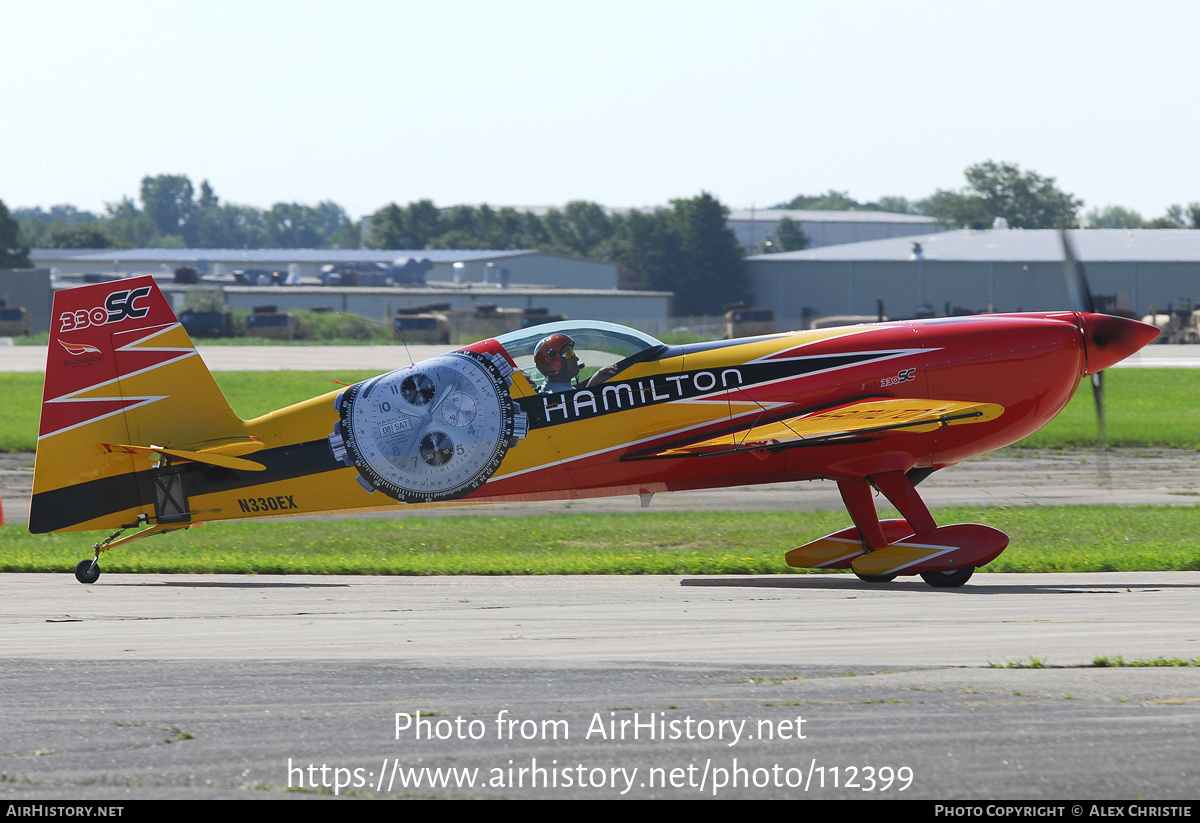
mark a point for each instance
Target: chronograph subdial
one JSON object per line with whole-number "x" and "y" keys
{"x": 437, "y": 449}
{"x": 459, "y": 409}
{"x": 417, "y": 389}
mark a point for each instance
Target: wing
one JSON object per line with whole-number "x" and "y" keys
{"x": 864, "y": 417}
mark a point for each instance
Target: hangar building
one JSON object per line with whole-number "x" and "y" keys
{"x": 647, "y": 310}
{"x": 464, "y": 279}
{"x": 31, "y": 290}
{"x": 531, "y": 268}
{"x": 1004, "y": 270}
{"x": 827, "y": 228}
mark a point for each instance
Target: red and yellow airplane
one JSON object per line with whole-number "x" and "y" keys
{"x": 135, "y": 432}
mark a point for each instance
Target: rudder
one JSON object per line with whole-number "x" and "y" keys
{"x": 122, "y": 377}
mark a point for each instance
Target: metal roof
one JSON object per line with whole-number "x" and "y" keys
{"x": 1015, "y": 245}
{"x": 251, "y": 256}
{"x": 807, "y": 216}
{"x": 433, "y": 291}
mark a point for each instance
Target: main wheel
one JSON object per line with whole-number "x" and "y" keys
{"x": 88, "y": 571}
{"x": 875, "y": 578}
{"x": 948, "y": 579}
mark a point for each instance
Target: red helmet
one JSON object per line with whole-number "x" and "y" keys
{"x": 552, "y": 356}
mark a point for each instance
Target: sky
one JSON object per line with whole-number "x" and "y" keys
{"x": 622, "y": 103}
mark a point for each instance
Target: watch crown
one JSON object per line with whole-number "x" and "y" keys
{"x": 503, "y": 367}
{"x": 337, "y": 444}
{"x": 520, "y": 425}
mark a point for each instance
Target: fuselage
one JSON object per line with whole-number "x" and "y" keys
{"x": 605, "y": 439}
{"x": 627, "y": 434}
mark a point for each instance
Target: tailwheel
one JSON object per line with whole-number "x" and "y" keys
{"x": 948, "y": 579}
{"x": 88, "y": 571}
{"x": 877, "y": 578}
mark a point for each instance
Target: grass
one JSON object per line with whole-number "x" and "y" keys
{"x": 253, "y": 393}
{"x": 318, "y": 329}
{"x": 681, "y": 338}
{"x": 1032, "y": 663}
{"x": 41, "y": 339}
{"x": 1044, "y": 539}
{"x": 19, "y": 413}
{"x": 1100, "y": 662}
{"x": 1145, "y": 408}
{"x": 1091, "y": 538}
{"x": 1155, "y": 662}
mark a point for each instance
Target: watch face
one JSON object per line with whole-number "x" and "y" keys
{"x": 434, "y": 431}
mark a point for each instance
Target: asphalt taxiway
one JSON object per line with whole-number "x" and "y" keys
{"x": 207, "y": 686}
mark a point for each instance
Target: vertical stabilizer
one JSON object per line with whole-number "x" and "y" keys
{"x": 122, "y": 378}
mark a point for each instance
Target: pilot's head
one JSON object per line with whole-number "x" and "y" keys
{"x": 555, "y": 358}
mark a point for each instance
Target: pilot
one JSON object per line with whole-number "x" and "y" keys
{"x": 555, "y": 358}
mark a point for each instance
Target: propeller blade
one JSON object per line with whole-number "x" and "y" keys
{"x": 1077, "y": 285}
{"x": 1098, "y": 395}
{"x": 1081, "y": 301}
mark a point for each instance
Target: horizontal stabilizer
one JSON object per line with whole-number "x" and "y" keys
{"x": 837, "y": 550}
{"x": 860, "y": 418}
{"x": 944, "y": 549}
{"x": 212, "y": 458}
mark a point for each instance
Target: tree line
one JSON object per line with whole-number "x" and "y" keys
{"x": 172, "y": 214}
{"x": 1025, "y": 199}
{"x": 684, "y": 247}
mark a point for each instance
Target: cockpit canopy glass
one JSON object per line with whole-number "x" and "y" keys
{"x": 596, "y": 344}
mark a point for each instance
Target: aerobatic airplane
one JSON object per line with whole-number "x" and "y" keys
{"x": 135, "y": 432}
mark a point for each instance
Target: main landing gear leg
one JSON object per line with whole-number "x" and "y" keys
{"x": 899, "y": 489}
{"x": 880, "y": 550}
{"x": 856, "y": 494}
